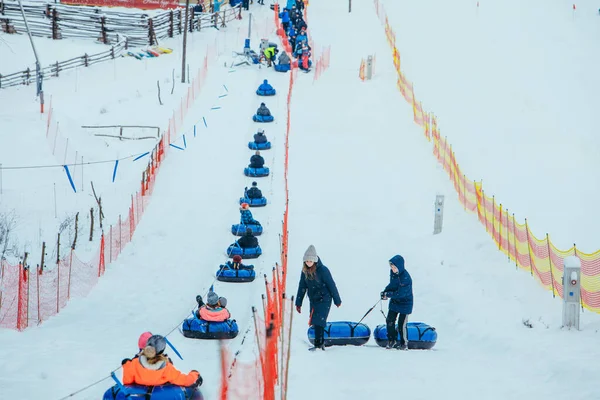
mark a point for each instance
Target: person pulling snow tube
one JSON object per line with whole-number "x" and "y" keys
{"x": 245, "y": 253}
{"x": 240, "y": 229}
{"x": 259, "y": 146}
{"x": 162, "y": 392}
{"x": 256, "y": 172}
{"x": 228, "y": 274}
{"x": 197, "y": 328}
{"x": 343, "y": 333}
{"x": 260, "y": 202}
{"x": 263, "y": 118}
{"x": 420, "y": 335}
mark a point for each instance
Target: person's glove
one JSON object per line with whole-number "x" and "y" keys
{"x": 298, "y": 308}
{"x": 338, "y": 305}
{"x": 198, "y": 381}
{"x": 383, "y": 295}
{"x": 125, "y": 360}
{"x": 199, "y": 300}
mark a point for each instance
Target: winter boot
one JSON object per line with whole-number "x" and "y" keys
{"x": 400, "y": 346}
{"x": 390, "y": 344}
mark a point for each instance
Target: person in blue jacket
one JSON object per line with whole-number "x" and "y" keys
{"x": 290, "y": 4}
{"x": 246, "y": 217}
{"x": 399, "y": 292}
{"x": 285, "y": 19}
{"x": 318, "y": 282}
{"x": 265, "y": 86}
{"x": 260, "y": 137}
{"x": 217, "y": 5}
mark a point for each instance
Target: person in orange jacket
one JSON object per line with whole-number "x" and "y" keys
{"x": 153, "y": 368}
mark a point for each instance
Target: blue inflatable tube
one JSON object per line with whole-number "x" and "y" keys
{"x": 343, "y": 333}
{"x": 197, "y": 328}
{"x": 266, "y": 92}
{"x": 251, "y": 252}
{"x": 260, "y": 202}
{"x": 256, "y": 172}
{"x": 282, "y": 68}
{"x": 240, "y": 229}
{"x": 259, "y": 146}
{"x": 162, "y": 392}
{"x": 420, "y": 336}
{"x": 263, "y": 118}
{"x": 226, "y": 274}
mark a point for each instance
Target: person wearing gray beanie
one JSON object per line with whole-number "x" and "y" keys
{"x": 316, "y": 280}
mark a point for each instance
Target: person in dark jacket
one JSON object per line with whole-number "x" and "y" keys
{"x": 318, "y": 282}
{"x": 254, "y": 192}
{"x": 247, "y": 240}
{"x": 256, "y": 161}
{"x": 399, "y": 291}
{"x": 263, "y": 111}
{"x": 198, "y": 8}
{"x": 260, "y": 137}
{"x": 300, "y": 5}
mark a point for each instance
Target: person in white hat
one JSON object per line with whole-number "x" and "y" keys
{"x": 318, "y": 282}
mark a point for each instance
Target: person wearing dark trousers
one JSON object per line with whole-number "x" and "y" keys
{"x": 318, "y": 282}
{"x": 399, "y": 292}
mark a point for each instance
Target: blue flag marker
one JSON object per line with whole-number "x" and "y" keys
{"x": 140, "y": 156}
{"x": 227, "y": 90}
{"x": 115, "y": 170}
{"x": 70, "y": 179}
{"x": 223, "y": 95}
{"x": 194, "y": 130}
{"x": 205, "y": 125}
{"x": 184, "y": 143}
{"x": 215, "y": 108}
{"x": 177, "y": 147}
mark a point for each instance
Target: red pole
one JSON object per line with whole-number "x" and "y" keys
{"x": 19, "y": 302}
{"x": 69, "y": 280}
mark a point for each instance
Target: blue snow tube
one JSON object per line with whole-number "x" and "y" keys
{"x": 228, "y": 274}
{"x": 162, "y": 392}
{"x": 259, "y": 146}
{"x": 197, "y": 328}
{"x": 282, "y": 67}
{"x": 270, "y": 92}
{"x": 259, "y": 202}
{"x": 262, "y": 118}
{"x": 240, "y": 229}
{"x": 256, "y": 172}
{"x": 250, "y": 252}
{"x": 420, "y": 335}
{"x": 342, "y": 333}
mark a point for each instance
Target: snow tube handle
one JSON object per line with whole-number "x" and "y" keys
{"x": 173, "y": 347}
{"x": 119, "y": 384}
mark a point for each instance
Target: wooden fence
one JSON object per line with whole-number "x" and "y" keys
{"x": 59, "y": 21}
{"x": 28, "y": 76}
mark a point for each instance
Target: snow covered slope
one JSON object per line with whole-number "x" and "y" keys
{"x": 175, "y": 251}
{"x": 362, "y": 186}
{"x": 514, "y": 85}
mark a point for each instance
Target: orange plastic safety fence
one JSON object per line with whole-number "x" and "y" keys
{"x": 538, "y": 256}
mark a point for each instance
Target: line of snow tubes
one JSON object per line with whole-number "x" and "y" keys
{"x": 263, "y": 118}
{"x": 256, "y": 172}
{"x": 343, "y": 333}
{"x": 259, "y": 202}
{"x": 240, "y": 229}
{"x": 226, "y": 273}
{"x": 161, "y": 392}
{"x": 259, "y": 146}
{"x": 250, "y": 252}
{"x": 197, "y": 328}
{"x": 420, "y": 335}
